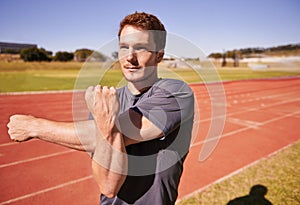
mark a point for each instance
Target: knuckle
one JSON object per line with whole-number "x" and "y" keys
{"x": 11, "y": 134}
{"x": 87, "y": 91}
{"x": 98, "y": 89}
{"x": 90, "y": 88}
{"x": 112, "y": 90}
{"x": 12, "y": 118}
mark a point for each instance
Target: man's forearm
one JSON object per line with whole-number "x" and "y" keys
{"x": 76, "y": 135}
{"x": 110, "y": 163}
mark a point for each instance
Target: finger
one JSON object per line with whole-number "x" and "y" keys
{"x": 98, "y": 88}
{"x": 11, "y": 122}
{"x": 11, "y": 118}
{"x": 98, "y": 92}
{"x": 112, "y": 90}
{"x": 10, "y": 133}
{"x": 105, "y": 90}
{"x": 88, "y": 92}
{"x": 8, "y": 124}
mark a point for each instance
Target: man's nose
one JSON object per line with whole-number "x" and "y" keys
{"x": 131, "y": 54}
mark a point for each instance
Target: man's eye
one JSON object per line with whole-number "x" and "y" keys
{"x": 142, "y": 48}
{"x": 124, "y": 47}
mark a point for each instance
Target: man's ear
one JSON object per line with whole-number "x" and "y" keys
{"x": 160, "y": 56}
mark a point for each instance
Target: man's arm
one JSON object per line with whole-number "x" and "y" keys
{"x": 79, "y": 135}
{"x": 76, "y": 135}
{"x": 137, "y": 128}
{"x": 109, "y": 163}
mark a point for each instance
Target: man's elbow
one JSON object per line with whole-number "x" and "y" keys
{"x": 90, "y": 147}
{"x": 108, "y": 191}
{"x": 110, "y": 194}
{"x": 110, "y": 187}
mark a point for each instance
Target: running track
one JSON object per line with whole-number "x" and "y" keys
{"x": 262, "y": 116}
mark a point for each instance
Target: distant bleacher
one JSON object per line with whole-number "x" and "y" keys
{"x": 14, "y": 47}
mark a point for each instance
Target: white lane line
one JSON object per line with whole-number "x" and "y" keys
{"x": 41, "y": 92}
{"x": 250, "y": 109}
{"x": 47, "y": 190}
{"x": 35, "y": 158}
{"x": 219, "y": 137}
{"x": 246, "y": 123}
{"x": 243, "y": 129}
{"x": 7, "y": 144}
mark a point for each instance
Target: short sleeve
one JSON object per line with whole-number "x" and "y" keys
{"x": 169, "y": 104}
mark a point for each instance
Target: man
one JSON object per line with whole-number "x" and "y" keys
{"x": 139, "y": 134}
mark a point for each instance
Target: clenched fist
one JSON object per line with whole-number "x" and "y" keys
{"x": 19, "y": 127}
{"x": 103, "y": 103}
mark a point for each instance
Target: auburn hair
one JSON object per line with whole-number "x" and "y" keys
{"x": 146, "y": 21}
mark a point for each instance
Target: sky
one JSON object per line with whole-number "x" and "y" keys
{"x": 210, "y": 25}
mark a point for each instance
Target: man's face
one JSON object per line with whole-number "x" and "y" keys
{"x": 137, "y": 55}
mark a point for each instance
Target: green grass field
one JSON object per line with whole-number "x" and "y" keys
{"x": 280, "y": 174}
{"x": 40, "y": 76}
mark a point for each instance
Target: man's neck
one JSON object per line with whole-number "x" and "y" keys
{"x": 137, "y": 88}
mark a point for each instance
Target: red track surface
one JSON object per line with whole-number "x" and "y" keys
{"x": 261, "y": 117}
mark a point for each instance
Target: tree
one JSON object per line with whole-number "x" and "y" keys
{"x": 35, "y": 54}
{"x": 63, "y": 56}
{"x": 97, "y": 56}
{"x": 84, "y": 54}
{"x": 224, "y": 63}
{"x": 236, "y": 58}
{"x": 215, "y": 55}
{"x": 11, "y": 51}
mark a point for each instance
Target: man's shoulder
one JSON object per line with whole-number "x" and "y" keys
{"x": 171, "y": 81}
{"x": 174, "y": 85}
{"x": 121, "y": 89}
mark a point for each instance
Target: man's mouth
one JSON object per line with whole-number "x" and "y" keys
{"x": 132, "y": 68}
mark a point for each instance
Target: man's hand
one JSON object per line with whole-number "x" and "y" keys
{"x": 19, "y": 127}
{"x": 103, "y": 103}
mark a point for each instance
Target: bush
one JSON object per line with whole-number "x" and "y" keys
{"x": 87, "y": 54}
{"x": 63, "y": 56}
{"x": 11, "y": 51}
{"x": 82, "y": 54}
{"x": 215, "y": 55}
{"x": 35, "y": 54}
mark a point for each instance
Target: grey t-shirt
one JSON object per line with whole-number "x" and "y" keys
{"x": 155, "y": 166}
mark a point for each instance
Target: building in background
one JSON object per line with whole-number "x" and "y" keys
{"x": 14, "y": 47}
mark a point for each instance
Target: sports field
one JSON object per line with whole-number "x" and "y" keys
{"x": 258, "y": 118}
